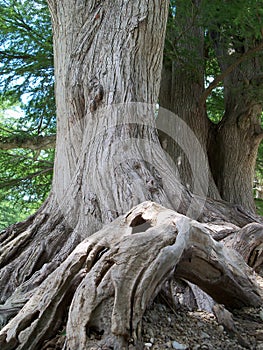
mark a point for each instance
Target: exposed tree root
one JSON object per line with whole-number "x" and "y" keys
{"x": 106, "y": 283}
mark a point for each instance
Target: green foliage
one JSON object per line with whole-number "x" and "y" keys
{"x": 11, "y": 214}
{"x": 25, "y": 176}
{"x": 234, "y": 20}
{"x": 259, "y": 206}
{"x": 260, "y": 162}
{"x": 26, "y": 85}
{"x": 259, "y": 165}
{"x": 215, "y": 105}
{"x": 27, "y": 61}
{"x": 181, "y": 45}
{"x": 235, "y": 25}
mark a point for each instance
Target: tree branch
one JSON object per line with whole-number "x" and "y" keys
{"x": 34, "y": 143}
{"x": 229, "y": 69}
{"x": 10, "y": 55}
{"x": 14, "y": 182}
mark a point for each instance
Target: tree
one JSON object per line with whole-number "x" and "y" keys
{"x": 183, "y": 83}
{"x": 228, "y": 39}
{"x": 95, "y": 278}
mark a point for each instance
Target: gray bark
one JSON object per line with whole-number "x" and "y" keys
{"x": 235, "y": 151}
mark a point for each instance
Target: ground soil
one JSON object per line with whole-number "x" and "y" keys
{"x": 164, "y": 327}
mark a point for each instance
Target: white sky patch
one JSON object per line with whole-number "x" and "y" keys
{"x": 15, "y": 113}
{"x": 208, "y": 80}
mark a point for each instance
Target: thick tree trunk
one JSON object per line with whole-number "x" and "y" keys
{"x": 107, "y": 84}
{"x": 54, "y": 268}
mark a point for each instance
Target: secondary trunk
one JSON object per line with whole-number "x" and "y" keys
{"x": 182, "y": 86}
{"x": 230, "y": 148}
{"x": 234, "y": 149}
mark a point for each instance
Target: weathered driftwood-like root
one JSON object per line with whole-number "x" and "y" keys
{"x": 110, "y": 278}
{"x": 249, "y": 243}
{"x": 217, "y": 270}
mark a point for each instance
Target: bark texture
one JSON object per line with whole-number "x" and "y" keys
{"x": 238, "y": 135}
{"x": 110, "y": 278}
{"x": 34, "y": 143}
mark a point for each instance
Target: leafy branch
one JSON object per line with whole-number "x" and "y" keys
{"x": 33, "y": 143}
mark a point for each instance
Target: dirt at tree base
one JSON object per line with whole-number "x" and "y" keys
{"x": 197, "y": 329}
{"x": 193, "y": 330}
{"x": 163, "y": 329}
{"x": 182, "y": 329}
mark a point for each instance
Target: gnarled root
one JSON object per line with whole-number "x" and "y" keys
{"x": 103, "y": 288}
